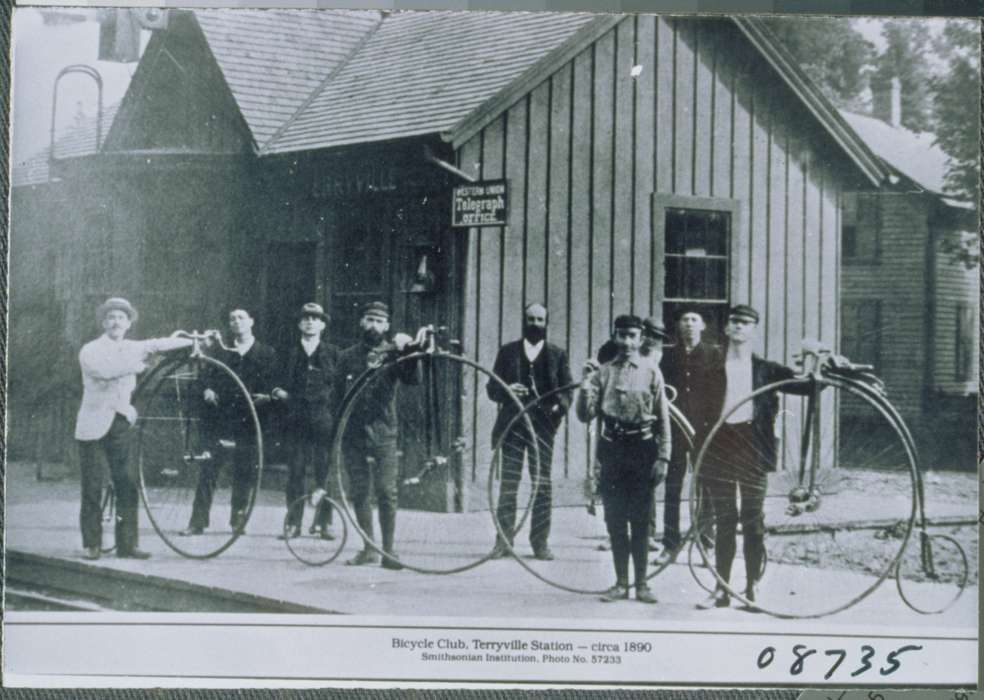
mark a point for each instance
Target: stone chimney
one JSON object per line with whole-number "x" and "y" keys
{"x": 886, "y": 101}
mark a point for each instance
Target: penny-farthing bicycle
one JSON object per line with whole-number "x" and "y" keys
{"x": 840, "y": 508}
{"x": 582, "y": 562}
{"x": 443, "y": 447}
{"x": 186, "y": 447}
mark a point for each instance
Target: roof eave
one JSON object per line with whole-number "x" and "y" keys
{"x": 819, "y": 106}
{"x": 485, "y": 113}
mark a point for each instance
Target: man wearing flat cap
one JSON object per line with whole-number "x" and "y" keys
{"x": 307, "y": 387}
{"x": 689, "y": 368}
{"x": 627, "y": 397}
{"x": 742, "y": 452}
{"x": 110, "y": 365}
{"x": 531, "y": 367}
{"x": 653, "y": 336}
{"x": 369, "y": 445}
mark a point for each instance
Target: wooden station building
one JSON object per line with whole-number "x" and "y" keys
{"x": 267, "y": 158}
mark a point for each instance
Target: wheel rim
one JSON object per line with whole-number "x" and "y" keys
{"x": 440, "y": 436}
{"x": 932, "y": 573}
{"x": 179, "y": 438}
{"x": 825, "y": 551}
{"x": 310, "y": 547}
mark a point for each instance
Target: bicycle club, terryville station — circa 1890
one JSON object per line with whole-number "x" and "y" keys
{"x": 529, "y": 335}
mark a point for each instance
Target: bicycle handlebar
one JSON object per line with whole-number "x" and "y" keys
{"x": 208, "y": 337}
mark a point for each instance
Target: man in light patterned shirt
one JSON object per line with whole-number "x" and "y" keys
{"x": 633, "y": 449}
{"x": 110, "y": 366}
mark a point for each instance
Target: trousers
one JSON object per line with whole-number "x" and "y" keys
{"x": 732, "y": 469}
{"x": 307, "y": 445}
{"x": 243, "y": 460}
{"x": 115, "y": 445}
{"x": 515, "y": 451}
{"x": 376, "y": 475}
{"x": 626, "y": 486}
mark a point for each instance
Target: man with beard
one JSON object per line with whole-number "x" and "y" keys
{"x": 110, "y": 365}
{"x": 310, "y": 377}
{"x": 369, "y": 444}
{"x": 627, "y": 397}
{"x": 688, "y": 367}
{"x": 232, "y": 434}
{"x": 531, "y": 367}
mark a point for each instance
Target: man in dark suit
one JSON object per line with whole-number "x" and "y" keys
{"x": 689, "y": 367}
{"x": 229, "y": 422}
{"x": 740, "y": 456}
{"x": 307, "y": 387}
{"x": 531, "y": 367}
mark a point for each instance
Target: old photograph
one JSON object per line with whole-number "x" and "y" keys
{"x": 548, "y": 324}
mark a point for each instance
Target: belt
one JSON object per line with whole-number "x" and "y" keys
{"x": 612, "y": 430}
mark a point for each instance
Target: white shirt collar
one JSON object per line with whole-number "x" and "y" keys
{"x": 310, "y": 345}
{"x": 243, "y": 348}
{"x": 532, "y": 351}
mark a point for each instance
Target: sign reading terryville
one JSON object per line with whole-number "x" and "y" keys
{"x": 480, "y": 204}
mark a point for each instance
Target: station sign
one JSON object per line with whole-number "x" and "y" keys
{"x": 480, "y": 204}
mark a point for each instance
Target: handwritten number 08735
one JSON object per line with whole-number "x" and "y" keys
{"x": 801, "y": 653}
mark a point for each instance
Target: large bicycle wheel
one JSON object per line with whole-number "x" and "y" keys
{"x": 200, "y": 465}
{"x": 566, "y": 502}
{"x": 838, "y": 510}
{"x": 438, "y": 461}
{"x": 313, "y": 546}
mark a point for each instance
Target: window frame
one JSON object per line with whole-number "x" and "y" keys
{"x": 875, "y": 257}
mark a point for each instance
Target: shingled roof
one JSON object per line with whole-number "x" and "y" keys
{"x": 275, "y": 60}
{"x": 78, "y": 140}
{"x": 912, "y": 155}
{"x": 422, "y": 72}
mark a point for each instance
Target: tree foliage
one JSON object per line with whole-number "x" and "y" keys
{"x": 831, "y": 51}
{"x": 906, "y": 57}
{"x": 956, "y": 104}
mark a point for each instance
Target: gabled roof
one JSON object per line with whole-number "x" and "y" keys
{"x": 273, "y": 61}
{"x": 78, "y": 140}
{"x": 914, "y": 156}
{"x": 422, "y": 72}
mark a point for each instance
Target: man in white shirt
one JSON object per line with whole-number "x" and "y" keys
{"x": 742, "y": 453}
{"x": 110, "y": 365}
{"x": 531, "y": 367}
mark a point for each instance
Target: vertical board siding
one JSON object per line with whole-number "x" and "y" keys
{"x": 514, "y": 242}
{"x": 488, "y": 273}
{"x": 586, "y": 150}
{"x": 601, "y": 178}
{"x": 537, "y": 195}
{"x": 623, "y": 172}
{"x": 704, "y": 110}
{"x": 683, "y": 137}
{"x": 741, "y": 130}
{"x": 759, "y": 219}
{"x": 664, "y": 108}
{"x": 723, "y": 119}
{"x": 558, "y": 235}
{"x": 470, "y": 161}
{"x": 775, "y": 310}
{"x": 645, "y": 297}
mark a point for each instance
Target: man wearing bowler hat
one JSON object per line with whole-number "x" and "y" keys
{"x": 369, "y": 444}
{"x": 110, "y": 365}
{"x": 627, "y": 397}
{"x": 742, "y": 453}
{"x": 689, "y": 368}
{"x": 307, "y": 387}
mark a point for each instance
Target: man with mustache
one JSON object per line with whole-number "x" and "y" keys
{"x": 373, "y": 427}
{"x": 310, "y": 377}
{"x": 230, "y": 421}
{"x": 531, "y": 367}
{"x": 110, "y": 365}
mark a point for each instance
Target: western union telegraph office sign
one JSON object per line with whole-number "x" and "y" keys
{"x": 480, "y": 204}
